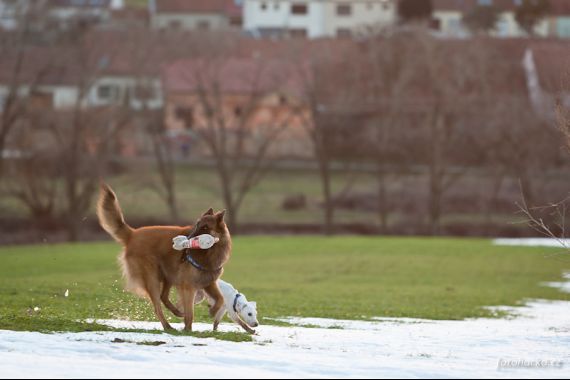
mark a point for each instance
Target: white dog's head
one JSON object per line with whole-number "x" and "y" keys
{"x": 248, "y": 314}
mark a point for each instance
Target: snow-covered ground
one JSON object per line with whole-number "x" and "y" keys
{"x": 536, "y": 343}
{"x": 401, "y": 348}
{"x": 534, "y": 242}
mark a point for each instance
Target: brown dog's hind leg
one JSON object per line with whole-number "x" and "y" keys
{"x": 166, "y": 301}
{"x": 153, "y": 289}
{"x": 187, "y": 294}
{"x": 213, "y": 290}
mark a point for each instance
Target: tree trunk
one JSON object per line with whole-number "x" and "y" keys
{"x": 497, "y": 185}
{"x": 382, "y": 206}
{"x": 325, "y": 175}
{"x": 435, "y": 208}
{"x": 72, "y": 225}
{"x": 526, "y": 189}
{"x": 436, "y": 173}
{"x": 172, "y": 204}
{"x": 2, "y": 160}
{"x": 227, "y": 196}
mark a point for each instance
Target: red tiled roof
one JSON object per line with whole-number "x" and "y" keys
{"x": 232, "y": 75}
{"x": 466, "y": 5}
{"x": 79, "y": 3}
{"x": 45, "y": 66}
{"x": 197, "y": 6}
{"x": 560, "y": 7}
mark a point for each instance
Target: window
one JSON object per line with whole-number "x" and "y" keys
{"x": 185, "y": 115}
{"x": 343, "y": 10}
{"x": 299, "y": 8}
{"x": 263, "y": 6}
{"x": 175, "y": 25}
{"x": 343, "y": 33}
{"x": 107, "y": 92}
{"x": 276, "y": 6}
{"x": 298, "y": 32}
{"x": 203, "y": 25}
{"x": 435, "y": 24}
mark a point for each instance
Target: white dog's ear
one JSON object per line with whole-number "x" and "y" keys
{"x": 253, "y": 304}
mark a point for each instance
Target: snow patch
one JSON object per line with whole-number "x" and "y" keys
{"x": 384, "y": 347}
{"x": 534, "y": 242}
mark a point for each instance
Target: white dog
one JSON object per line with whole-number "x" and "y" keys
{"x": 241, "y": 311}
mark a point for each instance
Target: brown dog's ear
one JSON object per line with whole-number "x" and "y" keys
{"x": 220, "y": 216}
{"x": 209, "y": 212}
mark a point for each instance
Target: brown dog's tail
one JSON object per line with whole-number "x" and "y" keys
{"x": 111, "y": 217}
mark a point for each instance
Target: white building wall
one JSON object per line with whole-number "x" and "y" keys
{"x": 277, "y": 15}
{"x": 63, "y": 96}
{"x": 364, "y": 14}
{"x": 121, "y": 88}
{"x": 189, "y": 21}
{"x": 321, "y": 19}
{"x": 451, "y": 25}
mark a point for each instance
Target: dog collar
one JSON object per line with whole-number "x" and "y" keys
{"x": 235, "y": 302}
{"x": 196, "y": 265}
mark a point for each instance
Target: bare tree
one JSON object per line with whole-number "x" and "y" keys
{"x": 457, "y": 77}
{"x": 391, "y": 70}
{"x": 145, "y": 53}
{"x": 164, "y": 159}
{"x": 329, "y": 88}
{"x": 563, "y": 119}
{"x": 21, "y": 71}
{"x": 238, "y": 115}
{"x": 85, "y": 134}
{"x": 33, "y": 180}
{"x": 555, "y": 225}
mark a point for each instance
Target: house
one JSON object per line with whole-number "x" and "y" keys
{"x": 194, "y": 14}
{"x": 314, "y": 18}
{"x": 10, "y": 12}
{"x": 448, "y": 18}
{"x": 253, "y": 95}
{"x": 58, "y": 13}
{"x": 68, "y": 9}
{"x": 559, "y": 19}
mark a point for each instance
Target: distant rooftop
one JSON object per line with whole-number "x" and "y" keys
{"x": 196, "y": 6}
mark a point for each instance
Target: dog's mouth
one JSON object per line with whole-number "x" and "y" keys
{"x": 194, "y": 232}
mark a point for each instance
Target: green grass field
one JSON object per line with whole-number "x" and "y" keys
{"x": 310, "y": 276}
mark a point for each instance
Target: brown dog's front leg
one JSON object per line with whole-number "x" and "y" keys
{"x": 215, "y": 294}
{"x": 188, "y": 293}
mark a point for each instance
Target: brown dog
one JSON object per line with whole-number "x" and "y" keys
{"x": 151, "y": 266}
